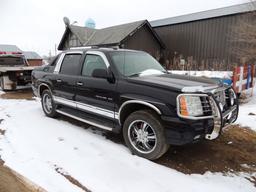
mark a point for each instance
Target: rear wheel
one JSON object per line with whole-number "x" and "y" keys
{"x": 144, "y": 135}
{"x": 48, "y": 104}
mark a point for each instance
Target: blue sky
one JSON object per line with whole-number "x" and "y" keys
{"x": 37, "y": 24}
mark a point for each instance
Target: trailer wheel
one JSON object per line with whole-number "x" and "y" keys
{"x": 2, "y": 82}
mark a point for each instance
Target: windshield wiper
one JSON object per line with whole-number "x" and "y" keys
{"x": 135, "y": 74}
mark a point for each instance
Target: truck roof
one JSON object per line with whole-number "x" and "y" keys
{"x": 104, "y": 50}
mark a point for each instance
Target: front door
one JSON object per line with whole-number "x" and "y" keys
{"x": 95, "y": 95}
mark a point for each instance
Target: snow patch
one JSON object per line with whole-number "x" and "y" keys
{"x": 210, "y": 74}
{"x": 32, "y": 147}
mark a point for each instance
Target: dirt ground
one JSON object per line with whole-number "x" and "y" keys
{"x": 19, "y": 94}
{"x": 10, "y": 181}
{"x": 234, "y": 151}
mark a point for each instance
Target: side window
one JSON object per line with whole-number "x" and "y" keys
{"x": 92, "y": 62}
{"x": 70, "y": 64}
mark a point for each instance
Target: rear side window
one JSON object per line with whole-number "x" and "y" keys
{"x": 70, "y": 64}
{"x": 91, "y": 63}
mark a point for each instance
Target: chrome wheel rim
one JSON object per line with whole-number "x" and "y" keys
{"x": 47, "y": 103}
{"x": 142, "y": 136}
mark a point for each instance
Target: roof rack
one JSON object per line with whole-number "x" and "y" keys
{"x": 95, "y": 47}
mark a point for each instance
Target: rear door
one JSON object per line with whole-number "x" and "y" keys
{"x": 95, "y": 95}
{"x": 65, "y": 78}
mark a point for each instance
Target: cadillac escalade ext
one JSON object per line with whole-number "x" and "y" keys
{"x": 128, "y": 91}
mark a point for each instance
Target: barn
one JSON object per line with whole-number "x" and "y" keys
{"x": 33, "y": 58}
{"x": 137, "y": 35}
{"x": 197, "y": 41}
{"x": 203, "y": 40}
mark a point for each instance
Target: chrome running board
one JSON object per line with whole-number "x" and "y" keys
{"x": 84, "y": 120}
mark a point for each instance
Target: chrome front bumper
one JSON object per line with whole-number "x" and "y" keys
{"x": 222, "y": 121}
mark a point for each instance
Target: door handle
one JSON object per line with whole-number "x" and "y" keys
{"x": 59, "y": 80}
{"x": 79, "y": 83}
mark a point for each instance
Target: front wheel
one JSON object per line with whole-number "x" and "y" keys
{"x": 144, "y": 135}
{"x": 48, "y": 104}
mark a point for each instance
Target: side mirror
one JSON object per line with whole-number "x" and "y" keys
{"x": 100, "y": 73}
{"x": 104, "y": 74}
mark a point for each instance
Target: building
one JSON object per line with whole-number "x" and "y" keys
{"x": 202, "y": 40}
{"x": 136, "y": 35}
{"x": 33, "y": 58}
{"x": 197, "y": 41}
{"x": 10, "y": 48}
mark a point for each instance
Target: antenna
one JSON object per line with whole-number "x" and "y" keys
{"x": 66, "y": 21}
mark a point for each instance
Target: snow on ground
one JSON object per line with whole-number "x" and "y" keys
{"x": 210, "y": 74}
{"x": 247, "y": 112}
{"x": 34, "y": 145}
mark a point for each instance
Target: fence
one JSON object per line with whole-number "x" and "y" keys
{"x": 243, "y": 77}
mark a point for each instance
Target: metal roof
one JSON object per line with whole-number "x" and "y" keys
{"x": 9, "y": 48}
{"x": 106, "y": 36}
{"x": 31, "y": 55}
{"x": 235, "y": 9}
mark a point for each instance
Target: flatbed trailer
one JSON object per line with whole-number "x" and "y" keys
{"x": 14, "y": 70}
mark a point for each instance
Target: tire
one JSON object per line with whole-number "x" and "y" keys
{"x": 48, "y": 105}
{"x": 2, "y": 82}
{"x": 143, "y": 133}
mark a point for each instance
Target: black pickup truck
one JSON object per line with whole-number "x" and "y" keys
{"x": 130, "y": 92}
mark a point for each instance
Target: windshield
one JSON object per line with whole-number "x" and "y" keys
{"x": 10, "y": 60}
{"x": 136, "y": 63}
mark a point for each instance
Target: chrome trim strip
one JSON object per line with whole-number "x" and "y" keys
{"x": 58, "y": 65}
{"x": 65, "y": 101}
{"x": 191, "y": 117}
{"x": 148, "y": 101}
{"x": 101, "y": 54}
{"x": 86, "y": 107}
{"x": 138, "y": 102}
{"x": 94, "y": 109}
{"x": 85, "y": 121}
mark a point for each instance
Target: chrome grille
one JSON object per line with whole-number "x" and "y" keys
{"x": 220, "y": 96}
{"x": 207, "y": 109}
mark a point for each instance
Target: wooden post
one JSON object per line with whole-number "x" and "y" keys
{"x": 234, "y": 78}
{"x": 252, "y": 77}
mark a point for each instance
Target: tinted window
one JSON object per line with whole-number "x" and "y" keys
{"x": 92, "y": 62}
{"x": 136, "y": 63}
{"x": 70, "y": 64}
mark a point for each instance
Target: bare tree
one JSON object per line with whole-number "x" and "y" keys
{"x": 243, "y": 36}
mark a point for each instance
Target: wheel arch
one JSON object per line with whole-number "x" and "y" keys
{"x": 130, "y": 106}
{"x": 42, "y": 87}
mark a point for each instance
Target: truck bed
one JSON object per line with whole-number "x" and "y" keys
{"x": 16, "y": 68}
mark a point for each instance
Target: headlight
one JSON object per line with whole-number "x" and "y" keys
{"x": 190, "y": 105}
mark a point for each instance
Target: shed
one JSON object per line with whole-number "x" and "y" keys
{"x": 137, "y": 35}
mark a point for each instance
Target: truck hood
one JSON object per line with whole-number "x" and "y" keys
{"x": 181, "y": 83}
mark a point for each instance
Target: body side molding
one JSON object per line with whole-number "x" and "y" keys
{"x": 136, "y": 102}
